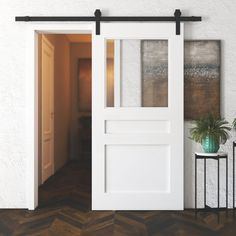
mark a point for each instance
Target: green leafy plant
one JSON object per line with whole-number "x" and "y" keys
{"x": 210, "y": 126}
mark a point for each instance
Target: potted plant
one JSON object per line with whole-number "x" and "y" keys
{"x": 210, "y": 131}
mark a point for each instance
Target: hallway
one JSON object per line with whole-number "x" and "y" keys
{"x": 64, "y": 209}
{"x": 70, "y": 186}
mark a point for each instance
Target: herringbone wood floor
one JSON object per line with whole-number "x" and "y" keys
{"x": 64, "y": 209}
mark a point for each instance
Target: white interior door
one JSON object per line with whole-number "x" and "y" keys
{"x": 47, "y": 109}
{"x": 137, "y": 117}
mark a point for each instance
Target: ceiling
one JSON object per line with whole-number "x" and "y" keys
{"x": 79, "y": 38}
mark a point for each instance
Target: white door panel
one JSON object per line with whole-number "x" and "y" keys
{"x": 47, "y": 109}
{"x": 149, "y": 178}
{"x": 137, "y": 151}
{"x": 136, "y": 126}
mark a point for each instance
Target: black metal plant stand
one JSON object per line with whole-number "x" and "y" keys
{"x": 217, "y": 157}
{"x": 234, "y": 145}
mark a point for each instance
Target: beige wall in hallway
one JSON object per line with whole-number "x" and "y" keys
{"x": 62, "y": 100}
{"x": 78, "y": 50}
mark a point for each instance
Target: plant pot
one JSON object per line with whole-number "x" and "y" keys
{"x": 210, "y": 145}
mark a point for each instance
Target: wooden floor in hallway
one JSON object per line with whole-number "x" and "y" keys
{"x": 65, "y": 209}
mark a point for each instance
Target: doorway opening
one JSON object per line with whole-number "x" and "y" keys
{"x": 64, "y": 120}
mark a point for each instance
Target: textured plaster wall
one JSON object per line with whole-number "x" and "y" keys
{"x": 219, "y": 22}
{"x": 130, "y": 73}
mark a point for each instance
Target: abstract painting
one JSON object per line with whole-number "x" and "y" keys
{"x": 201, "y": 76}
{"x": 84, "y": 84}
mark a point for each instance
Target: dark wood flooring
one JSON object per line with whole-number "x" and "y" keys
{"x": 64, "y": 209}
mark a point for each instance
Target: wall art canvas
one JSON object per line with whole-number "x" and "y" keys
{"x": 201, "y": 76}
{"x": 84, "y": 84}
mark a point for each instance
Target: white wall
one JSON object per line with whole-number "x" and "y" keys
{"x": 219, "y": 22}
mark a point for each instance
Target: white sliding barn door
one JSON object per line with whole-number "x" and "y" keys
{"x": 137, "y": 117}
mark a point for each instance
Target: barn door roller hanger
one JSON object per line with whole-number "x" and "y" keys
{"x": 177, "y": 18}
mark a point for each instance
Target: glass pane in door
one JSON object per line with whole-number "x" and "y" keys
{"x": 154, "y": 56}
{"x": 137, "y": 73}
{"x": 110, "y": 73}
